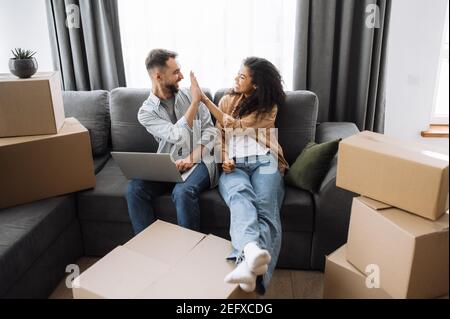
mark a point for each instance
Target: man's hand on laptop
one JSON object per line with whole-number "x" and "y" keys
{"x": 184, "y": 164}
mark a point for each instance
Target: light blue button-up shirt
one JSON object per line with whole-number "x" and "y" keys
{"x": 180, "y": 139}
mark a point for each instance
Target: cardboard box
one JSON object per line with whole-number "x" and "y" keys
{"x": 31, "y": 106}
{"x": 38, "y": 167}
{"x": 407, "y": 175}
{"x": 411, "y": 252}
{"x": 163, "y": 261}
{"x": 343, "y": 281}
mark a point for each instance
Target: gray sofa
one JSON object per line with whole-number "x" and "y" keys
{"x": 38, "y": 240}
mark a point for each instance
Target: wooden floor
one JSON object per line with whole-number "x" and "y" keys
{"x": 285, "y": 284}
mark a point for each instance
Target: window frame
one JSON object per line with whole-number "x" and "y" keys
{"x": 440, "y": 119}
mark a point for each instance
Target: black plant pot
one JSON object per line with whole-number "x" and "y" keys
{"x": 23, "y": 68}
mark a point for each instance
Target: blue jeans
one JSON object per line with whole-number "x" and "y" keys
{"x": 140, "y": 195}
{"x": 254, "y": 197}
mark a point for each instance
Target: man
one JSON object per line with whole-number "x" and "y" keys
{"x": 182, "y": 126}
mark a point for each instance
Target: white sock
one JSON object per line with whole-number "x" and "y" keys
{"x": 255, "y": 256}
{"x": 261, "y": 270}
{"x": 248, "y": 287}
{"x": 241, "y": 275}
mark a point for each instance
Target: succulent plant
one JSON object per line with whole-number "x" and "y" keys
{"x": 21, "y": 54}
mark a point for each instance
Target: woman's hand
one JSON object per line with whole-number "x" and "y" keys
{"x": 228, "y": 166}
{"x": 196, "y": 92}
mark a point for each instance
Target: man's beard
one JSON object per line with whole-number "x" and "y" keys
{"x": 172, "y": 88}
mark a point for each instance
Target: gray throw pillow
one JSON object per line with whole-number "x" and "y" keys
{"x": 91, "y": 108}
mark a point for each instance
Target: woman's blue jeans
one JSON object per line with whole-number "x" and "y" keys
{"x": 254, "y": 192}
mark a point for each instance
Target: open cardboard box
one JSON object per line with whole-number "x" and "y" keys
{"x": 163, "y": 261}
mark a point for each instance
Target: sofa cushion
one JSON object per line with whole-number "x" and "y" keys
{"x": 296, "y": 212}
{"x": 47, "y": 271}
{"x": 296, "y": 121}
{"x": 106, "y": 202}
{"x": 127, "y": 134}
{"x": 92, "y": 110}
{"x": 100, "y": 161}
{"x": 27, "y": 231}
{"x": 99, "y": 238}
{"x": 311, "y": 166}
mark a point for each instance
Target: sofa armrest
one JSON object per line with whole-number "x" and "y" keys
{"x": 330, "y": 131}
{"x": 332, "y": 204}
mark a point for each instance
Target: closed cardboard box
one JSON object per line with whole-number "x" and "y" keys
{"x": 410, "y": 252}
{"x": 343, "y": 281}
{"x": 38, "y": 167}
{"x": 163, "y": 261}
{"x": 407, "y": 175}
{"x": 31, "y": 106}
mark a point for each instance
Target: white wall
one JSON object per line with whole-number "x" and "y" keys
{"x": 413, "y": 59}
{"x": 23, "y": 24}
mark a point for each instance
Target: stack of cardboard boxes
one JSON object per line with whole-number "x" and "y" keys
{"x": 42, "y": 154}
{"x": 398, "y": 244}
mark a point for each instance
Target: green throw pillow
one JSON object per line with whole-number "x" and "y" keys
{"x": 312, "y": 165}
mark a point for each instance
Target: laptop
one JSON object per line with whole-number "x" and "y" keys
{"x": 150, "y": 167}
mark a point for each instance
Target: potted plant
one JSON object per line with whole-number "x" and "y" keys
{"x": 23, "y": 64}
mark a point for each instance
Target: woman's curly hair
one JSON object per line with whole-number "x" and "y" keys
{"x": 269, "y": 88}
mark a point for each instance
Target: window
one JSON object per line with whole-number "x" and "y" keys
{"x": 211, "y": 37}
{"x": 441, "y": 101}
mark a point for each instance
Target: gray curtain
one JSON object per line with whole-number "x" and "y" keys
{"x": 86, "y": 44}
{"x": 341, "y": 56}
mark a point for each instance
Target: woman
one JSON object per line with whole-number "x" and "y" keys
{"x": 252, "y": 189}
